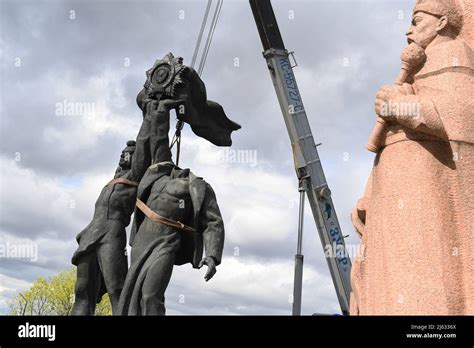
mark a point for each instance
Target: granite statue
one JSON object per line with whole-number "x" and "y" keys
{"x": 416, "y": 218}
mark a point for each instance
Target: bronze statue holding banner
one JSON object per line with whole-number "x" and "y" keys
{"x": 177, "y": 217}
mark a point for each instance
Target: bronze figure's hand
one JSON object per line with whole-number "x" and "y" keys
{"x": 211, "y": 267}
{"x": 168, "y": 104}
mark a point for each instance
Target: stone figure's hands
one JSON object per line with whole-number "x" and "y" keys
{"x": 211, "y": 267}
{"x": 396, "y": 102}
{"x": 386, "y": 100}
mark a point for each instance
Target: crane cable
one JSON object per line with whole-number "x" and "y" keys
{"x": 210, "y": 35}
{"x": 180, "y": 124}
{"x": 201, "y": 32}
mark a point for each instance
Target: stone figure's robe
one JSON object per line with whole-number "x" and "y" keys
{"x": 416, "y": 218}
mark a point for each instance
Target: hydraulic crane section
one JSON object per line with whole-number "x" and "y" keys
{"x": 307, "y": 163}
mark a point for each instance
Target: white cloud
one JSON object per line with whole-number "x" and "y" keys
{"x": 96, "y": 96}
{"x": 9, "y": 287}
{"x": 247, "y": 286}
{"x": 253, "y": 200}
{"x": 30, "y": 202}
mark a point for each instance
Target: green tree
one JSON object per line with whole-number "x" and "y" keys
{"x": 52, "y": 296}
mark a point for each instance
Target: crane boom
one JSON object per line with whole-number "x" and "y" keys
{"x": 306, "y": 158}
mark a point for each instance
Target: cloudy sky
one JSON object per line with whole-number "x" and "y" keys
{"x": 95, "y": 54}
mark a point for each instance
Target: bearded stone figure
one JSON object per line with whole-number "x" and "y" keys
{"x": 416, "y": 218}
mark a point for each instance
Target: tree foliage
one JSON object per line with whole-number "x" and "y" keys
{"x": 52, "y": 296}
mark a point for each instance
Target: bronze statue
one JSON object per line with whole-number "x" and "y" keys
{"x": 176, "y": 215}
{"x": 100, "y": 258}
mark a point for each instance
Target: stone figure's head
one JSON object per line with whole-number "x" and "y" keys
{"x": 126, "y": 156}
{"x": 432, "y": 18}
